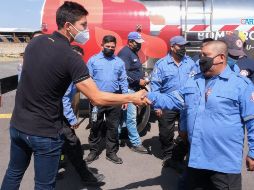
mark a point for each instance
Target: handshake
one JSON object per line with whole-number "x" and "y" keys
{"x": 140, "y": 98}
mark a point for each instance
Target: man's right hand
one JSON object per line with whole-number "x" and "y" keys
{"x": 139, "y": 98}
{"x": 158, "y": 112}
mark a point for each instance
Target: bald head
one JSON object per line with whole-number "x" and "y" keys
{"x": 217, "y": 47}
{"x": 213, "y": 58}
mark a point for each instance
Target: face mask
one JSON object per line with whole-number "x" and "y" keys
{"x": 231, "y": 62}
{"x": 206, "y": 63}
{"x": 81, "y": 37}
{"x": 137, "y": 47}
{"x": 180, "y": 53}
{"x": 108, "y": 52}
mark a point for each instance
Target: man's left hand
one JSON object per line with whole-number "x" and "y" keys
{"x": 249, "y": 163}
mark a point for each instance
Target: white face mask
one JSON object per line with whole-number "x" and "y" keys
{"x": 81, "y": 37}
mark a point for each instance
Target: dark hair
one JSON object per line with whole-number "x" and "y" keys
{"x": 108, "y": 38}
{"x": 69, "y": 12}
{"x": 36, "y": 33}
{"x": 77, "y": 49}
{"x": 207, "y": 40}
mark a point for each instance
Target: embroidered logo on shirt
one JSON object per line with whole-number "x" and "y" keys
{"x": 192, "y": 73}
{"x": 252, "y": 97}
{"x": 244, "y": 73}
{"x": 208, "y": 92}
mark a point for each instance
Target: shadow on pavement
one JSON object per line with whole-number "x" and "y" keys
{"x": 168, "y": 180}
{"x": 153, "y": 145}
{"x": 71, "y": 180}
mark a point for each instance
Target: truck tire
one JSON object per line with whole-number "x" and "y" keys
{"x": 143, "y": 115}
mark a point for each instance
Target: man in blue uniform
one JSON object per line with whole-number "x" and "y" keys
{"x": 108, "y": 72}
{"x": 217, "y": 103}
{"x": 171, "y": 73}
{"x": 135, "y": 74}
{"x": 237, "y": 57}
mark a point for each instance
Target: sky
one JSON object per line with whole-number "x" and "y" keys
{"x": 20, "y": 14}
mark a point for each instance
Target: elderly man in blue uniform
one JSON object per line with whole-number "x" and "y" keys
{"x": 237, "y": 57}
{"x": 217, "y": 103}
{"x": 135, "y": 74}
{"x": 108, "y": 72}
{"x": 171, "y": 73}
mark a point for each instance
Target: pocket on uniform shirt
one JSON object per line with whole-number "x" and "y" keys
{"x": 191, "y": 96}
{"x": 225, "y": 102}
{"x": 98, "y": 73}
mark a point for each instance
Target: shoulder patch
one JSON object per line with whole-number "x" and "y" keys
{"x": 245, "y": 79}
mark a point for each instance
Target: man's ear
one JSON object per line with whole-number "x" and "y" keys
{"x": 67, "y": 26}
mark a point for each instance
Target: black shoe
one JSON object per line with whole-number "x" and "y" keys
{"x": 114, "y": 158}
{"x": 140, "y": 149}
{"x": 91, "y": 157}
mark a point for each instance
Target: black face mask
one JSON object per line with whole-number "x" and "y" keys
{"x": 136, "y": 47}
{"x": 108, "y": 52}
{"x": 205, "y": 63}
{"x": 180, "y": 53}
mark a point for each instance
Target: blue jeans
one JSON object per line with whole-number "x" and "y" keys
{"x": 130, "y": 121}
{"x": 46, "y": 157}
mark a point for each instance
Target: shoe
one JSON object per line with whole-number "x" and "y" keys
{"x": 91, "y": 157}
{"x": 140, "y": 149}
{"x": 93, "y": 179}
{"x": 60, "y": 173}
{"x": 174, "y": 164}
{"x": 122, "y": 143}
{"x": 114, "y": 158}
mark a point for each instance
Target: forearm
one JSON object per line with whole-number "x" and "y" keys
{"x": 97, "y": 97}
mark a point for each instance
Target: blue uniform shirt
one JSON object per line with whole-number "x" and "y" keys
{"x": 167, "y": 76}
{"x": 216, "y": 111}
{"x": 108, "y": 73}
{"x": 67, "y": 100}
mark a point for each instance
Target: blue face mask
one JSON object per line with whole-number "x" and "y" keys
{"x": 231, "y": 62}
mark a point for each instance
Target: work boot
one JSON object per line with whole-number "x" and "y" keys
{"x": 92, "y": 156}
{"x": 114, "y": 158}
{"x": 139, "y": 149}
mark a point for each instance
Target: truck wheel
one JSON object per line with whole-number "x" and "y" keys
{"x": 143, "y": 114}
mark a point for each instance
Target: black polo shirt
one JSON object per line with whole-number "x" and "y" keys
{"x": 133, "y": 67}
{"x": 50, "y": 65}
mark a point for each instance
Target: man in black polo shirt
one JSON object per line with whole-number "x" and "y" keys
{"x": 50, "y": 65}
